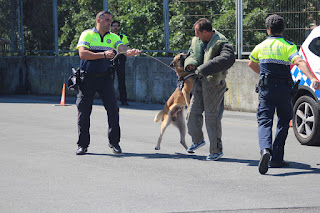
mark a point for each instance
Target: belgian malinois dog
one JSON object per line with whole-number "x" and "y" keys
{"x": 172, "y": 111}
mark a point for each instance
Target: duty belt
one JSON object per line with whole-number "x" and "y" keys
{"x": 97, "y": 75}
{"x": 266, "y": 81}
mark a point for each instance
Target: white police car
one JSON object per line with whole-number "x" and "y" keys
{"x": 306, "y": 117}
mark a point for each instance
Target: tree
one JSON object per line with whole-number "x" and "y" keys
{"x": 5, "y": 24}
{"x": 38, "y": 25}
{"x": 75, "y": 16}
{"x": 142, "y": 21}
{"x": 5, "y": 19}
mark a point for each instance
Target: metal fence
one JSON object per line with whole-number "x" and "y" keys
{"x": 301, "y": 16}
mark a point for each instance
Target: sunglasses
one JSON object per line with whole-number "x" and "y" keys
{"x": 105, "y": 12}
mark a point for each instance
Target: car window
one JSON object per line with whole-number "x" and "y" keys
{"x": 314, "y": 46}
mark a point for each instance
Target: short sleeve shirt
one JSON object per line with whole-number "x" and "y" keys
{"x": 124, "y": 39}
{"x": 92, "y": 40}
{"x": 275, "y": 55}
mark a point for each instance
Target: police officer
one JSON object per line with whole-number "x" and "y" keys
{"x": 271, "y": 59}
{"x": 120, "y": 63}
{"x": 95, "y": 48}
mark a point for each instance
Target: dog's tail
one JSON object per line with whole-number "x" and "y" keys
{"x": 159, "y": 116}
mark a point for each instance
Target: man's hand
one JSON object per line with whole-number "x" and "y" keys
{"x": 127, "y": 51}
{"x": 108, "y": 54}
{"x": 315, "y": 83}
{"x": 199, "y": 74}
{"x": 303, "y": 66}
{"x": 133, "y": 52}
{"x": 190, "y": 68}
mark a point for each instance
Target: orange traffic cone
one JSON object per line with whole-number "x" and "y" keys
{"x": 63, "y": 95}
{"x": 290, "y": 123}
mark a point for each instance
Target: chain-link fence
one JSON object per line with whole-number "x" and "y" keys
{"x": 301, "y": 17}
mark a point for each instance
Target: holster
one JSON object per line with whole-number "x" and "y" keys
{"x": 112, "y": 71}
{"x": 260, "y": 84}
{"x": 265, "y": 80}
{"x": 74, "y": 81}
{"x": 295, "y": 88}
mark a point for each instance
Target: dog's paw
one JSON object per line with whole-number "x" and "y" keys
{"x": 157, "y": 148}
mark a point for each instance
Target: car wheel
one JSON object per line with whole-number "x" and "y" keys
{"x": 306, "y": 121}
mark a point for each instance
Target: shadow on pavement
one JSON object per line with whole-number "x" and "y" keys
{"x": 154, "y": 155}
{"x": 303, "y": 168}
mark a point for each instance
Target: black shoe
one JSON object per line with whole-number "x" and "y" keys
{"x": 264, "y": 161}
{"x": 115, "y": 148}
{"x": 279, "y": 164}
{"x": 81, "y": 150}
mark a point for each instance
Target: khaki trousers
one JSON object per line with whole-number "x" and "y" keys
{"x": 209, "y": 99}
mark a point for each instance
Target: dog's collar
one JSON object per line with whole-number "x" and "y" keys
{"x": 187, "y": 76}
{"x": 180, "y": 83}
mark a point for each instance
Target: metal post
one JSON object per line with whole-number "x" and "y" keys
{"x": 19, "y": 27}
{"x": 236, "y": 26}
{"x": 12, "y": 28}
{"x": 55, "y": 26}
{"x": 166, "y": 25}
{"x": 239, "y": 28}
{"x": 21, "y": 22}
{"x": 105, "y": 5}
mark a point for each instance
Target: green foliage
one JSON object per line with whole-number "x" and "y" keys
{"x": 4, "y": 19}
{"x": 142, "y": 21}
{"x": 38, "y": 25}
{"x": 255, "y": 18}
{"x": 75, "y": 16}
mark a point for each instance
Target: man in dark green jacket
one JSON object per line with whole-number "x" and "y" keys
{"x": 211, "y": 56}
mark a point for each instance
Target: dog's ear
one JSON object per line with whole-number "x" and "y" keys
{"x": 182, "y": 59}
{"x": 172, "y": 64}
{"x": 180, "y": 62}
{"x": 184, "y": 56}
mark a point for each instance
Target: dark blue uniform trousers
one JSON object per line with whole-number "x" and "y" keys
{"x": 85, "y": 96}
{"x": 274, "y": 97}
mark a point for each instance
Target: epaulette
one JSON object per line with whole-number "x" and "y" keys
{"x": 289, "y": 42}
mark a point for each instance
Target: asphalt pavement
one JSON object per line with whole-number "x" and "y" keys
{"x": 40, "y": 171}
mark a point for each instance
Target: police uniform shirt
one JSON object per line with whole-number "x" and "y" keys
{"x": 92, "y": 40}
{"x": 122, "y": 58}
{"x": 124, "y": 39}
{"x": 275, "y": 55}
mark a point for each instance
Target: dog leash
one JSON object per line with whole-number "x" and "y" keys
{"x": 188, "y": 76}
{"x": 180, "y": 83}
{"x": 142, "y": 53}
{"x": 154, "y": 58}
